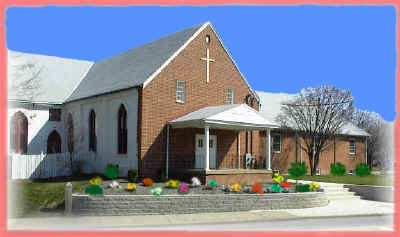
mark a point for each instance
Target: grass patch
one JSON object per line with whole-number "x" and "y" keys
{"x": 28, "y": 197}
{"x": 352, "y": 179}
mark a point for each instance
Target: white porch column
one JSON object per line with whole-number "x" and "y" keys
{"x": 238, "y": 139}
{"x": 268, "y": 149}
{"x": 207, "y": 147}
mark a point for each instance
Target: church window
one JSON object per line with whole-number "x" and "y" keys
{"x": 122, "y": 131}
{"x": 180, "y": 92}
{"x": 19, "y": 133}
{"x": 54, "y": 114}
{"x": 208, "y": 39}
{"x": 54, "y": 143}
{"x": 70, "y": 129}
{"x": 229, "y": 96}
{"x": 92, "y": 131}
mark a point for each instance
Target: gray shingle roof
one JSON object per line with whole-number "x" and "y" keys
{"x": 235, "y": 115}
{"x": 132, "y": 67}
{"x": 271, "y": 107}
{"x": 57, "y": 78}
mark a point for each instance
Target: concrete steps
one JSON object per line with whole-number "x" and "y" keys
{"x": 334, "y": 191}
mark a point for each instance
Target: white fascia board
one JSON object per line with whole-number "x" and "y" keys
{"x": 152, "y": 76}
{"x": 239, "y": 125}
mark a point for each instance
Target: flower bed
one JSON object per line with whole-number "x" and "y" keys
{"x": 142, "y": 189}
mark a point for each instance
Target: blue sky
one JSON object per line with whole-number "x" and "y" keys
{"x": 277, "y": 48}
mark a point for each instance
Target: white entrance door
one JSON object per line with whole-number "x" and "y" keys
{"x": 200, "y": 155}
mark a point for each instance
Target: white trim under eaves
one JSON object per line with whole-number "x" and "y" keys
{"x": 152, "y": 76}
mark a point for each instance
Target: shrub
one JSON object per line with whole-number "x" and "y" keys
{"x": 338, "y": 169}
{"x": 94, "y": 189}
{"x": 362, "y": 170}
{"x": 298, "y": 170}
{"x": 112, "y": 171}
{"x": 303, "y": 188}
{"x": 132, "y": 175}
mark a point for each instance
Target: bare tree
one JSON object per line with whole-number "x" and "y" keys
{"x": 317, "y": 114}
{"x": 24, "y": 77}
{"x": 373, "y": 124}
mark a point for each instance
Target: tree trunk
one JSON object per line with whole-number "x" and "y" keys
{"x": 311, "y": 159}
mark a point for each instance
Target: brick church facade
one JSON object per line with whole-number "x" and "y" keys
{"x": 179, "y": 105}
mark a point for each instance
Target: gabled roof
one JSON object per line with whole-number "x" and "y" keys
{"x": 271, "y": 104}
{"x": 139, "y": 66}
{"x": 57, "y": 78}
{"x": 131, "y": 68}
{"x": 236, "y": 116}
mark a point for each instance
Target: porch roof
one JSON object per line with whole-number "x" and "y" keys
{"x": 234, "y": 117}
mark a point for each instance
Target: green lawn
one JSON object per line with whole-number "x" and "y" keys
{"x": 30, "y": 198}
{"x": 352, "y": 179}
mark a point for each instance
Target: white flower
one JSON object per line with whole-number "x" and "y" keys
{"x": 196, "y": 182}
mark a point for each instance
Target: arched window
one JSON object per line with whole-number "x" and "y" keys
{"x": 19, "y": 133}
{"x": 54, "y": 143}
{"x": 70, "y": 127}
{"x": 122, "y": 131}
{"x": 92, "y": 131}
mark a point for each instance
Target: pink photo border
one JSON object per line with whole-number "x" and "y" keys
{"x": 3, "y": 117}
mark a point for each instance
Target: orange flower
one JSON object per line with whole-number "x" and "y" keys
{"x": 258, "y": 188}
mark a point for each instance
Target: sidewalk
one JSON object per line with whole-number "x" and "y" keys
{"x": 334, "y": 208}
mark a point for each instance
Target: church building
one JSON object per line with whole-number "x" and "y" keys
{"x": 178, "y": 105}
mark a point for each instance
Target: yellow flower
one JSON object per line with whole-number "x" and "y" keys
{"x": 131, "y": 187}
{"x": 314, "y": 186}
{"x": 278, "y": 179}
{"x": 96, "y": 180}
{"x": 236, "y": 187}
{"x": 172, "y": 183}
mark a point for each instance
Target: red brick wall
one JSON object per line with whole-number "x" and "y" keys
{"x": 159, "y": 102}
{"x": 283, "y": 160}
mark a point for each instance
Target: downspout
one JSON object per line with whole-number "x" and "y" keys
{"x": 167, "y": 153}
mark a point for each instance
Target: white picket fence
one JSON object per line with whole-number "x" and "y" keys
{"x": 48, "y": 165}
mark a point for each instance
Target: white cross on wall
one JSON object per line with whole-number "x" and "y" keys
{"x": 208, "y": 60}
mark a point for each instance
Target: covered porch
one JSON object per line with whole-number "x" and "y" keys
{"x": 213, "y": 134}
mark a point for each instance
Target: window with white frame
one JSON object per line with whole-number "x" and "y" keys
{"x": 229, "y": 96}
{"x": 180, "y": 91}
{"x": 276, "y": 143}
{"x": 352, "y": 147}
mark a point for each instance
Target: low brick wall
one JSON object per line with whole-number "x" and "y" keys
{"x": 374, "y": 193}
{"x": 117, "y": 205}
